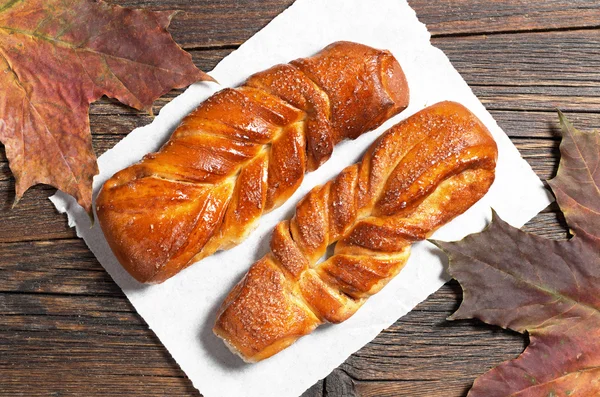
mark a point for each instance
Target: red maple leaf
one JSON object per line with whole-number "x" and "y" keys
{"x": 57, "y": 57}
{"x": 550, "y": 289}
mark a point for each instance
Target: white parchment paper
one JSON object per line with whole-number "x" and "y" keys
{"x": 181, "y": 311}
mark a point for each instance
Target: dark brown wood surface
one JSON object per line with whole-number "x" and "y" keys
{"x": 67, "y": 330}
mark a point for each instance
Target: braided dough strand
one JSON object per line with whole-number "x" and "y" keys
{"x": 416, "y": 177}
{"x": 241, "y": 153}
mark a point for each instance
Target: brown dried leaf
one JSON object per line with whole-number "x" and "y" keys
{"x": 550, "y": 289}
{"x": 577, "y": 182}
{"x": 57, "y": 57}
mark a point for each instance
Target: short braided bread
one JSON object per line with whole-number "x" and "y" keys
{"x": 416, "y": 177}
{"x": 241, "y": 153}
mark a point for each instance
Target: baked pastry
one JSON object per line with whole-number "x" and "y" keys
{"x": 241, "y": 153}
{"x": 416, "y": 177}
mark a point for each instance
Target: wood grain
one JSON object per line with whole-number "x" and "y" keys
{"x": 228, "y": 23}
{"x": 104, "y": 340}
{"x": 67, "y": 330}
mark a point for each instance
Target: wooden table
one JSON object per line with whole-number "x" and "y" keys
{"x": 67, "y": 329}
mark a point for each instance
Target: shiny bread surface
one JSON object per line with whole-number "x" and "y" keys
{"x": 418, "y": 176}
{"x": 241, "y": 153}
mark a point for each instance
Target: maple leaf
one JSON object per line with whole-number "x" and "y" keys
{"x": 57, "y": 57}
{"x": 550, "y": 289}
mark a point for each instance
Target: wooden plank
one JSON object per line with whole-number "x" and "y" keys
{"x": 95, "y": 353}
{"x": 532, "y": 124}
{"x": 561, "y": 58}
{"x": 33, "y": 218}
{"x": 105, "y": 309}
{"x": 94, "y": 338}
{"x": 459, "y": 17}
{"x": 68, "y": 267}
{"x": 53, "y": 267}
{"x": 443, "y": 387}
{"x": 209, "y": 24}
{"x": 78, "y": 381}
{"x": 536, "y": 98}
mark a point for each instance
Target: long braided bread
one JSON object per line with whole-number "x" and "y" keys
{"x": 416, "y": 177}
{"x": 241, "y": 153}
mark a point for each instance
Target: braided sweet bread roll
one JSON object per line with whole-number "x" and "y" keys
{"x": 416, "y": 177}
{"x": 241, "y": 153}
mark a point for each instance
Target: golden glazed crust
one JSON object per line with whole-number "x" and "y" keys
{"x": 241, "y": 153}
{"x": 416, "y": 177}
